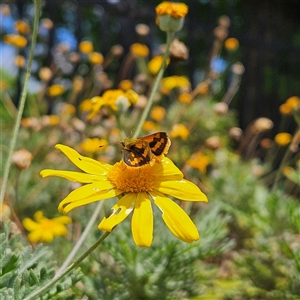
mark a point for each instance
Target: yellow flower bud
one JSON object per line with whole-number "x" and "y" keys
{"x": 55, "y": 90}
{"x": 86, "y": 47}
{"x": 96, "y": 58}
{"x": 231, "y": 44}
{"x": 283, "y": 139}
{"x": 139, "y": 50}
{"x": 179, "y": 131}
{"x": 158, "y": 113}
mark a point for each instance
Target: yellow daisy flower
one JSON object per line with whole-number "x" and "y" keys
{"x": 43, "y": 229}
{"x": 110, "y": 98}
{"x": 137, "y": 189}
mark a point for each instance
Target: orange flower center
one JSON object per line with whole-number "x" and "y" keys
{"x": 131, "y": 179}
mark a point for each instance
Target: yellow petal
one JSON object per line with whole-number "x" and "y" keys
{"x": 176, "y": 218}
{"x": 87, "y": 194}
{"x": 120, "y": 211}
{"x": 167, "y": 170}
{"x": 38, "y": 216}
{"x": 101, "y": 196}
{"x": 181, "y": 189}
{"x": 97, "y": 102}
{"x": 35, "y": 236}
{"x": 59, "y": 230}
{"x": 62, "y": 220}
{"x": 142, "y": 221}
{"x": 73, "y": 176}
{"x": 47, "y": 236}
{"x": 29, "y": 224}
{"x": 84, "y": 163}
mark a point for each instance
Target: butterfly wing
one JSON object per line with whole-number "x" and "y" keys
{"x": 136, "y": 154}
{"x": 159, "y": 143}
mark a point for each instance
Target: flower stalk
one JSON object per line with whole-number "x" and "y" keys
{"x": 170, "y": 35}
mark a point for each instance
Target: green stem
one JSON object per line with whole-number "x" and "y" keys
{"x": 170, "y": 35}
{"x": 22, "y": 99}
{"x": 69, "y": 269}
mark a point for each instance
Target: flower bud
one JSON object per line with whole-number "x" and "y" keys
{"x": 170, "y": 16}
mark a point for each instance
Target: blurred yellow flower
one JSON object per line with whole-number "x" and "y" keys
{"x": 139, "y": 50}
{"x": 150, "y": 126}
{"x": 199, "y": 161}
{"x": 231, "y": 44}
{"x": 109, "y": 99}
{"x": 185, "y": 98}
{"x": 170, "y": 15}
{"x": 93, "y": 145}
{"x": 86, "y": 105}
{"x": 19, "y": 61}
{"x": 113, "y": 99}
{"x": 293, "y": 102}
{"x": 179, "y": 131}
{"x": 158, "y": 113}
{"x": 43, "y": 229}
{"x": 283, "y": 139}
{"x": 285, "y": 109}
{"x": 22, "y": 27}
{"x": 172, "y": 82}
{"x": 15, "y": 40}
{"x": 125, "y": 84}
{"x": 132, "y": 96}
{"x": 96, "y": 58}
{"x": 176, "y": 10}
{"x": 55, "y": 90}
{"x": 67, "y": 110}
{"x": 155, "y": 64}
{"x": 137, "y": 189}
{"x": 86, "y": 47}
